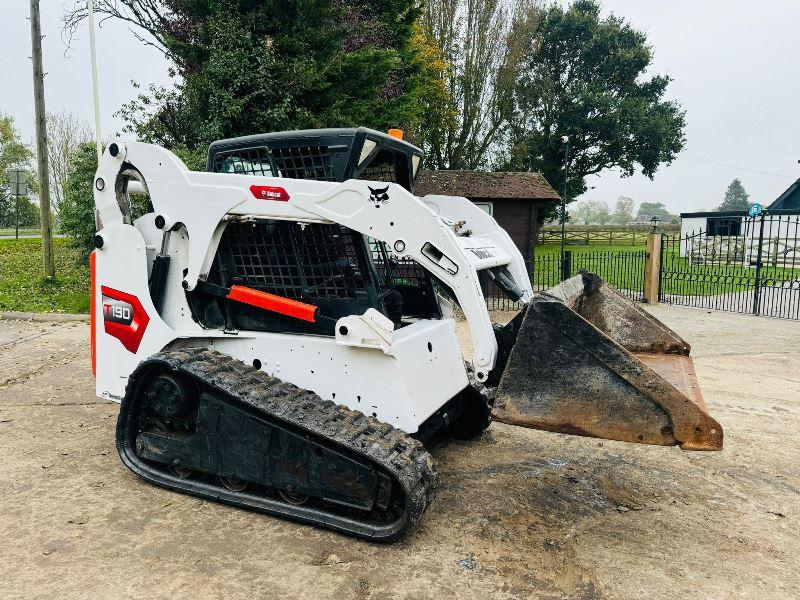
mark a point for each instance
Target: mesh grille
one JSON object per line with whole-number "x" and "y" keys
{"x": 380, "y": 170}
{"x": 250, "y": 161}
{"x": 283, "y": 258}
{"x": 393, "y": 271}
{"x": 304, "y": 162}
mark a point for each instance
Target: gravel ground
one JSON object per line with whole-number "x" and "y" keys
{"x": 520, "y": 513}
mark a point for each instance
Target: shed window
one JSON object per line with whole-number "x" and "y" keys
{"x": 723, "y": 226}
{"x": 487, "y": 207}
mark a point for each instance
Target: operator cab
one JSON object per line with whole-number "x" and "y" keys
{"x": 330, "y": 266}
{"x": 320, "y": 154}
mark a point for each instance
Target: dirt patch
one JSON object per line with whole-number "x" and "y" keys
{"x": 519, "y": 514}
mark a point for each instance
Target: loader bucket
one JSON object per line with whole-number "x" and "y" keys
{"x": 588, "y": 361}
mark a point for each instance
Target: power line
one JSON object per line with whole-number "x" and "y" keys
{"x": 739, "y": 168}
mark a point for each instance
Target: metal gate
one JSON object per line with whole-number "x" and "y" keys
{"x": 741, "y": 264}
{"x": 623, "y": 269}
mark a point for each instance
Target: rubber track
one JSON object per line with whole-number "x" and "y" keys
{"x": 392, "y": 450}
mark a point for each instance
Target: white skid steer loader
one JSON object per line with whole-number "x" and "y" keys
{"x": 279, "y": 331}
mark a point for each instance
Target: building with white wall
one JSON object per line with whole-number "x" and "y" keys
{"x": 736, "y": 233}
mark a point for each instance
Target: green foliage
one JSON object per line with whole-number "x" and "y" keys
{"x": 623, "y": 211}
{"x": 22, "y": 288}
{"x": 482, "y": 46}
{"x": 595, "y": 258}
{"x": 735, "y": 197}
{"x": 586, "y": 78}
{"x": 591, "y": 212}
{"x": 248, "y": 67}
{"x": 28, "y": 212}
{"x": 654, "y": 209}
{"x": 15, "y": 154}
{"x": 77, "y": 206}
{"x": 602, "y": 215}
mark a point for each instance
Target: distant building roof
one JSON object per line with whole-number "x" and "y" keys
{"x": 788, "y": 200}
{"x": 714, "y": 213}
{"x": 485, "y": 185}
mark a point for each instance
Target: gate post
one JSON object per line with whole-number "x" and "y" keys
{"x": 652, "y": 268}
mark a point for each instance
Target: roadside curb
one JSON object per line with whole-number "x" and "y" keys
{"x": 44, "y": 317}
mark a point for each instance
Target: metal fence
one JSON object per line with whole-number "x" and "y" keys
{"x": 622, "y": 269}
{"x": 747, "y": 264}
{"x": 742, "y": 264}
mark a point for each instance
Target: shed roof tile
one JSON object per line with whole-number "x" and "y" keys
{"x": 485, "y": 185}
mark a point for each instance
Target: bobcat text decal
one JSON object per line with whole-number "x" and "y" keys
{"x": 481, "y": 253}
{"x": 124, "y": 318}
{"x": 269, "y": 192}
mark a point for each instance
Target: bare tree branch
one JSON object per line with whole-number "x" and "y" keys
{"x": 157, "y": 19}
{"x": 65, "y": 132}
{"x": 483, "y": 41}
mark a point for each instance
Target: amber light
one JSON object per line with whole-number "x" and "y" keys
{"x": 396, "y": 133}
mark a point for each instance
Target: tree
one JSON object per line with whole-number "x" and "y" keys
{"x": 601, "y": 213}
{"x": 623, "y": 211}
{"x": 584, "y": 212}
{"x": 65, "y": 132}
{"x": 482, "y": 45}
{"x": 590, "y": 212}
{"x": 245, "y": 67}
{"x": 649, "y": 210}
{"x": 28, "y": 212}
{"x": 735, "y": 197}
{"x": 586, "y": 77}
{"x": 77, "y": 206}
{"x": 15, "y": 154}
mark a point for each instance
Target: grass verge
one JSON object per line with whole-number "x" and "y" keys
{"x": 11, "y": 232}
{"x": 24, "y": 288}
{"x": 623, "y": 267}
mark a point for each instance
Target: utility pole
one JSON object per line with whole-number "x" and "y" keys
{"x": 41, "y": 142}
{"x": 96, "y": 94}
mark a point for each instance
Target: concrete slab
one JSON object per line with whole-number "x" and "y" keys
{"x": 520, "y": 513}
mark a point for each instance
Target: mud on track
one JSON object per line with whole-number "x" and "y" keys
{"x": 519, "y": 514}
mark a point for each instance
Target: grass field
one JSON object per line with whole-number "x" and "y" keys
{"x": 550, "y": 249}
{"x": 680, "y": 277}
{"x": 23, "y": 287}
{"x": 10, "y": 232}
{"x": 623, "y": 267}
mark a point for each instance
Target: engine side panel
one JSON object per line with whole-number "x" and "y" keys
{"x": 402, "y": 388}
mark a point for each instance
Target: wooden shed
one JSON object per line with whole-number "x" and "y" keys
{"x": 514, "y": 199}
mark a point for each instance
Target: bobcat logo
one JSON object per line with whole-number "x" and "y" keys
{"x": 378, "y": 196}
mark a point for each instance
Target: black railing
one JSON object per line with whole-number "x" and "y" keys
{"x": 746, "y": 264}
{"x": 622, "y": 269}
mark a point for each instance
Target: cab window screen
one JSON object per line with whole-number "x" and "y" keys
{"x": 252, "y": 161}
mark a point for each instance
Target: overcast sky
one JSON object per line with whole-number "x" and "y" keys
{"x": 734, "y": 63}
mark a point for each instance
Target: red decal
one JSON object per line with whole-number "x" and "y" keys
{"x": 124, "y": 318}
{"x": 268, "y": 192}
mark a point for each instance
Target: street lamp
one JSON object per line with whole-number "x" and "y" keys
{"x": 564, "y": 274}
{"x": 654, "y": 223}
